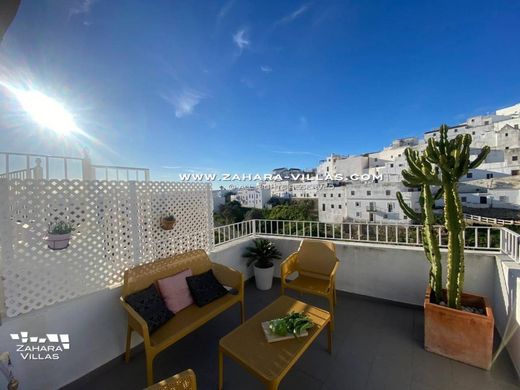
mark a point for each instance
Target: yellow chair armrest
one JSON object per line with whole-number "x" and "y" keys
{"x": 333, "y": 275}
{"x": 288, "y": 266}
{"x": 228, "y": 276}
{"x": 135, "y": 320}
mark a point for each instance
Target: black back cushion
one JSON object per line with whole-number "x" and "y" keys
{"x": 205, "y": 288}
{"x": 149, "y": 304}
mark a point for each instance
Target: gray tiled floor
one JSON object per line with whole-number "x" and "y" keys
{"x": 377, "y": 345}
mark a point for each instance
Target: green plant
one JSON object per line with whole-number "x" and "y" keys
{"x": 293, "y": 323}
{"x": 60, "y": 227}
{"x": 262, "y": 252}
{"x": 422, "y": 174}
{"x": 442, "y": 164}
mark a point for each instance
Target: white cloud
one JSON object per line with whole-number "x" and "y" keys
{"x": 82, "y": 7}
{"x": 266, "y": 68}
{"x": 224, "y": 10}
{"x": 294, "y": 15}
{"x": 241, "y": 40}
{"x": 185, "y": 102}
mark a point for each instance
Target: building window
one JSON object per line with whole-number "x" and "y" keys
{"x": 507, "y": 147}
{"x": 456, "y": 130}
{"x": 339, "y": 195}
{"x": 463, "y": 199}
{"x": 331, "y": 206}
{"x": 514, "y": 158}
{"x": 390, "y": 207}
{"x": 369, "y": 193}
{"x": 323, "y": 207}
{"x": 507, "y": 134}
{"x": 469, "y": 175}
{"x": 473, "y": 132}
{"x": 358, "y": 204}
{"x": 358, "y": 214}
{"x": 339, "y": 206}
{"x": 514, "y": 172}
{"x": 489, "y": 176}
{"x": 391, "y": 165}
{"x": 486, "y": 122}
{"x": 516, "y": 126}
{"x": 375, "y": 159}
{"x": 388, "y": 192}
{"x": 327, "y": 169}
{"x": 385, "y": 216}
{"x": 324, "y": 195}
{"x": 504, "y": 199}
{"x": 483, "y": 200}
{"x": 352, "y": 193}
{"x": 405, "y": 217}
{"x": 398, "y": 155}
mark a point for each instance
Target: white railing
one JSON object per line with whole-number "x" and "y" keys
{"x": 41, "y": 166}
{"x": 477, "y": 237}
{"x": 491, "y": 221}
{"x": 510, "y": 244}
{"x": 226, "y": 233}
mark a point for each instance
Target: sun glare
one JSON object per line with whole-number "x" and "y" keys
{"x": 47, "y": 112}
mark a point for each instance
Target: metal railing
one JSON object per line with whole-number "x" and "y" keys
{"x": 226, "y": 233}
{"x": 510, "y": 244}
{"x": 477, "y": 237}
{"x": 490, "y": 221}
{"x": 41, "y": 166}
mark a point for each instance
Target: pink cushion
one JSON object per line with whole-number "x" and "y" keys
{"x": 175, "y": 291}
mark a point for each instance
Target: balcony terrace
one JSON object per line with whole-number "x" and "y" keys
{"x": 377, "y": 341}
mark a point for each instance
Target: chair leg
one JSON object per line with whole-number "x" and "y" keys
{"x": 128, "y": 343}
{"x": 149, "y": 369}
{"x": 331, "y": 306}
{"x": 335, "y": 297}
{"x": 242, "y": 311}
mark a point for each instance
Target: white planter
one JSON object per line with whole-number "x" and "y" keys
{"x": 264, "y": 277}
{"x": 58, "y": 241}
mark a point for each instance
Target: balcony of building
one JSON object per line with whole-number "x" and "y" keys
{"x": 381, "y": 280}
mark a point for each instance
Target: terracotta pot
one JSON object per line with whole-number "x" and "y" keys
{"x": 167, "y": 224}
{"x": 58, "y": 241}
{"x": 460, "y": 335}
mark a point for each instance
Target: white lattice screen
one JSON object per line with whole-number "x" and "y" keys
{"x": 117, "y": 227}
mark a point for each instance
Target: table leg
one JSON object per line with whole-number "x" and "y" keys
{"x": 272, "y": 386}
{"x": 220, "y": 369}
{"x": 329, "y": 331}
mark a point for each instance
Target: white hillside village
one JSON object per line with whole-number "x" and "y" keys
{"x": 370, "y": 196}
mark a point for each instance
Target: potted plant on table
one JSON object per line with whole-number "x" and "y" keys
{"x": 456, "y": 325}
{"x": 168, "y": 222}
{"x": 262, "y": 253}
{"x": 59, "y": 235}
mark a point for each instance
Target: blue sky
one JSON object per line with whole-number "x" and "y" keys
{"x": 247, "y": 86}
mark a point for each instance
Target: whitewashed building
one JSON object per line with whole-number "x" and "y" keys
{"x": 254, "y": 197}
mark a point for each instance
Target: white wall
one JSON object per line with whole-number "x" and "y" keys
{"x": 395, "y": 272}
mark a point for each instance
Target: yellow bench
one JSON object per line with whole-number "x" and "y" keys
{"x": 188, "y": 319}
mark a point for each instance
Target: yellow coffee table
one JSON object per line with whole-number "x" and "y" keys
{"x": 270, "y": 362}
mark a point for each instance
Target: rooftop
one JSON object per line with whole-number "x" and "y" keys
{"x": 377, "y": 344}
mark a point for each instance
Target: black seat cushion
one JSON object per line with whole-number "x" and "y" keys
{"x": 205, "y": 288}
{"x": 149, "y": 304}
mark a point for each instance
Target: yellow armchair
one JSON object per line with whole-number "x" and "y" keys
{"x": 185, "y": 380}
{"x": 316, "y": 264}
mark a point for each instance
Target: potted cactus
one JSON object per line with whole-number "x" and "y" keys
{"x": 261, "y": 254}
{"x": 456, "y": 325}
{"x": 59, "y": 235}
{"x": 168, "y": 222}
